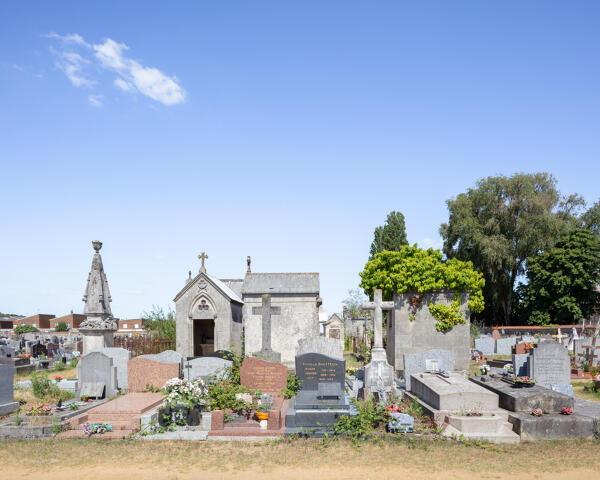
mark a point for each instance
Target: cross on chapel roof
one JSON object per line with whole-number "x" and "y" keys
{"x": 203, "y": 256}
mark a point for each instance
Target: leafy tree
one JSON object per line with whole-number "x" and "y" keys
{"x": 390, "y": 236}
{"x": 499, "y": 224}
{"x": 413, "y": 269}
{"x": 353, "y": 302}
{"x": 160, "y": 322}
{"x": 562, "y": 281}
{"x": 591, "y": 219}
{"x": 61, "y": 327}
{"x": 25, "y": 329}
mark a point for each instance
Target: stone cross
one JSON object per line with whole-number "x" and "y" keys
{"x": 188, "y": 367}
{"x": 203, "y": 256}
{"x": 266, "y": 311}
{"x": 378, "y": 306}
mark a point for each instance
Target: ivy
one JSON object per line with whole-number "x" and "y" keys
{"x": 447, "y": 316}
{"x": 412, "y": 269}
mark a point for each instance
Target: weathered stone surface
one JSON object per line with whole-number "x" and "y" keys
{"x": 325, "y": 346}
{"x": 96, "y": 367}
{"x": 314, "y": 368}
{"x": 553, "y": 426}
{"x": 550, "y": 364}
{"x": 520, "y": 363}
{"x": 524, "y": 399}
{"x": 120, "y": 357}
{"x": 168, "y": 356}
{"x": 440, "y": 360}
{"x": 257, "y": 374}
{"x": 7, "y": 403}
{"x": 401, "y": 423}
{"x": 416, "y": 332}
{"x": 504, "y": 345}
{"x": 143, "y": 371}
{"x": 452, "y": 394}
{"x": 205, "y": 367}
{"x": 485, "y": 345}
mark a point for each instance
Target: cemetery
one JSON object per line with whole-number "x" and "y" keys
{"x": 425, "y": 376}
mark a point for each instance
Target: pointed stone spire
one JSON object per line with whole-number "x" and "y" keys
{"x": 97, "y": 296}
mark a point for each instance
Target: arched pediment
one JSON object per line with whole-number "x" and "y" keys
{"x": 203, "y": 308}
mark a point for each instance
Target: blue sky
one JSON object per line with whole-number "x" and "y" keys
{"x": 282, "y": 130}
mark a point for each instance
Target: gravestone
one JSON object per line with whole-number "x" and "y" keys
{"x": 322, "y": 345}
{"x": 320, "y": 400}
{"x": 528, "y": 339}
{"x": 550, "y": 364}
{"x": 168, "y": 356}
{"x": 520, "y": 363}
{"x": 315, "y": 368}
{"x": 485, "y": 345}
{"x": 378, "y": 373}
{"x": 257, "y": 374}
{"x": 206, "y": 367}
{"x": 504, "y": 345}
{"x": 38, "y": 350}
{"x": 120, "y": 357}
{"x": 430, "y": 360}
{"x": 400, "y": 423}
{"x": 144, "y": 371}
{"x": 97, "y": 368}
{"x": 7, "y": 403}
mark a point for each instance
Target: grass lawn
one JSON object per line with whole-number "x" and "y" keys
{"x": 580, "y": 390}
{"x": 410, "y": 458}
{"x": 68, "y": 373}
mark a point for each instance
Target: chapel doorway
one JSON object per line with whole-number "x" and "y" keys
{"x": 204, "y": 337}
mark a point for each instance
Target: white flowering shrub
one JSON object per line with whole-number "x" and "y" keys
{"x": 181, "y": 392}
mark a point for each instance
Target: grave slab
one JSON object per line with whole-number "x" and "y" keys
{"x": 143, "y": 371}
{"x": 257, "y": 374}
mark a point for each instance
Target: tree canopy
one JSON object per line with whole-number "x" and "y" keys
{"x": 562, "y": 281}
{"x": 412, "y": 269}
{"x": 591, "y": 219}
{"x": 390, "y": 236}
{"x": 500, "y": 223}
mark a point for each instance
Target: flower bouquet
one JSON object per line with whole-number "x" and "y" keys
{"x": 538, "y": 412}
{"x": 524, "y": 382}
{"x": 393, "y": 408}
{"x": 58, "y": 378}
{"x": 38, "y": 410}
{"x": 566, "y": 411}
{"x": 92, "y": 428}
{"x": 485, "y": 369}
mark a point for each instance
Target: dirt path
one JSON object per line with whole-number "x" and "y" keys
{"x": 296, "y": 460}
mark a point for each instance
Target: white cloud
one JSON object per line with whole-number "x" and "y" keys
{"x": 71, "y": 38}
{"x": 123, "y": 85}
{"x": 430, "y": 243}
{"x": 147, "y": 80}
{"x": 110, "y": 55}
{"x": 72, "y": 64}
{"x": 96, "y": 100}
{"x": 18, "y": 67}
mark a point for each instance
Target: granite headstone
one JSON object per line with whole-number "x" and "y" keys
{"x": 430, "y": 360}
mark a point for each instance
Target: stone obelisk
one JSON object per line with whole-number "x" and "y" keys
{"x": 99, "y": 327}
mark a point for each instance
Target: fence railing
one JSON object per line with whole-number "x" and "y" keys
{"x": 142, "y": 345}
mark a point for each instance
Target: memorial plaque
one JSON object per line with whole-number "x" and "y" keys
{"x": 257, "y": 374}
{"x": 550, "y": 364}
{"x": 314, "y": 368}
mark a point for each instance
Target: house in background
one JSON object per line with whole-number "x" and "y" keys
{"x": 132, "y": 325}
{"x": 73, "y": 320}
{"x": 41, "y": 321}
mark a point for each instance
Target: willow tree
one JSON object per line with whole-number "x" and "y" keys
{"x": 501, "y": 222}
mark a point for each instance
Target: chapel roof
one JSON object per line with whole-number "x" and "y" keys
{"x": 260, "y": 283}
{"x": 219, "y": 285}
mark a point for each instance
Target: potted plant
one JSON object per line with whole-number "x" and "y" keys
{"x": 262, "y": 412}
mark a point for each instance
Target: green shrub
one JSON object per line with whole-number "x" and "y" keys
{"x": 59, "y": 366}
{"x": 293, "y": 385}
{"x": 221, "y": 396}
{"x": 40, "y": 384}
{"x": 62, "y": 327}
{"x": 369, "y": 419}
{"x": 25, "y": 329}
{"x": 73, "y": 363}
